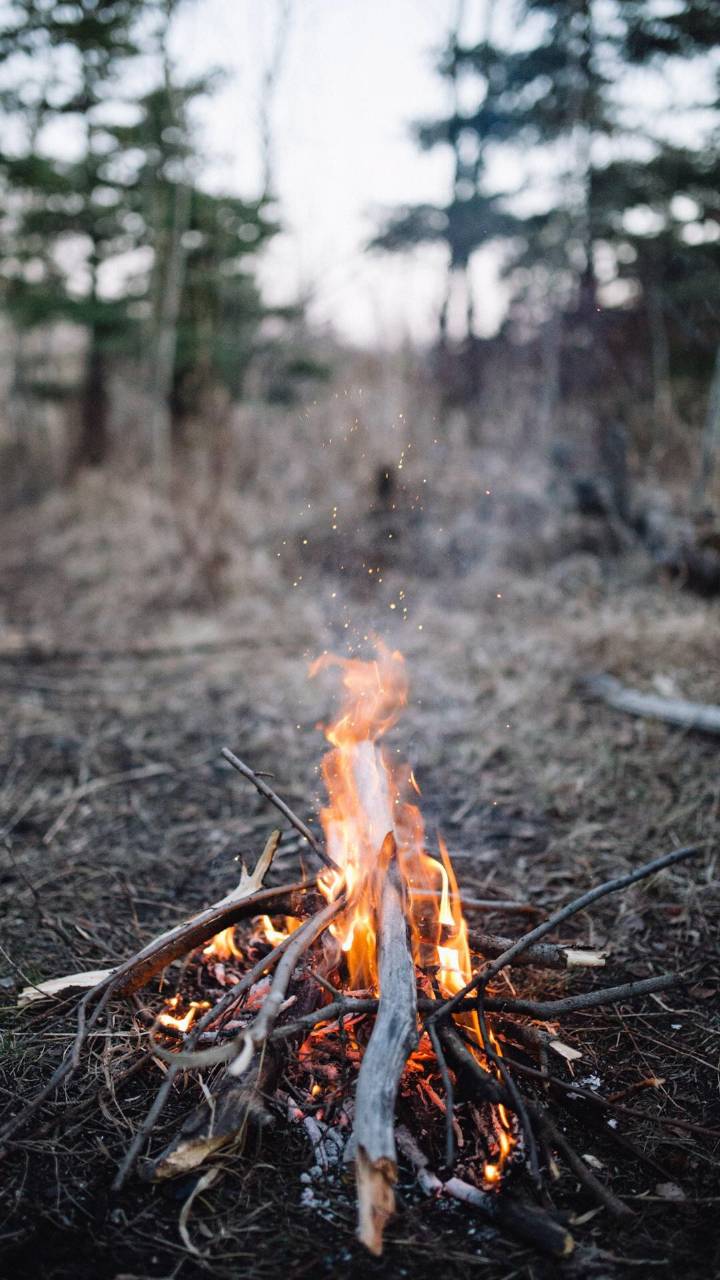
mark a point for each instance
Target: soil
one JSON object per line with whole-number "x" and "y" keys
{"x": 119, "y": 652}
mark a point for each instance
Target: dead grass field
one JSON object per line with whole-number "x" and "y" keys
{"x": 125, "y": 644}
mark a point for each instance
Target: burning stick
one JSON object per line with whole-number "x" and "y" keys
{"x": 525, "y": 1222}
{"x": 392, "y": 1041}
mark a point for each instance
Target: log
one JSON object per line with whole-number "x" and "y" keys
{"x": 686, "y": 715}
{"x": 393, "y": 1039}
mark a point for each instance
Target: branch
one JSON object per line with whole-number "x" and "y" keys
{"x": 578, "y": 904}
{"x": 261, "y": 785}
{"x": 677, "y": 711}
{"x": 548, "y": 955}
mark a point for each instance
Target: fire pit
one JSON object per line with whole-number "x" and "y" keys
{"x": 358, "y": 1005}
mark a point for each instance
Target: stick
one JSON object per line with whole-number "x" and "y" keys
{"x": 394, "y": 1036}
{"x": 547, "y": 1010}
{"x": 564, "y": 913}
{"x": 240, "y": 1050}
{"x": 449, "y": 1098}
{"x": 677, "y": 711}
{"x": 230, "y": 997}
{"x": 525, "y": 1222}
{"x": 247, "y": 899}
{"x": 547, "y": 955}
{"x": 261, "y": 785}
{"x": 508, "y": 906}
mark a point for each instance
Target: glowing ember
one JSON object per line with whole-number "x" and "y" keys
{"x": 367, "y": 798}
{"x": 181, "y": 1022}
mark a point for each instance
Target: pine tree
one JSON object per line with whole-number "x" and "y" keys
{"x": 66, "y": 219}
{"x": 473, "y": 216}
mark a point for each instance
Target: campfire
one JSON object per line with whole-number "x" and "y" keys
{"x": 359, "y": 1005}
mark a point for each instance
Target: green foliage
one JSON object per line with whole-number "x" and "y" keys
{"x": 598, "y": 191}
{"x": 117, "y": 234}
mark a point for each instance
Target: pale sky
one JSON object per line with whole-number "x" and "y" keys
{"x": 355, "y": 74}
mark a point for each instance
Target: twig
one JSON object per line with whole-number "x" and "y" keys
{"x": 588, "y": 1095}
{"x": 262, "y": 786}
{"x": 584, "y": 1175}
{"x": 230, "y": 997}
{"x": 546, "y": 955}
{"x": 578, "y": 904}
{"x": 508, "y": 906}
{"x": 449, "y": 1097}
{"x": 349, "y": 1006}
{"x": 549, "y": 1009}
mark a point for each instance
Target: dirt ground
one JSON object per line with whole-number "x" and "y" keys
{"x": 125, "y": 667}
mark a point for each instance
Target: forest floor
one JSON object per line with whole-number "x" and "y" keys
{"x": 115, "y": 658}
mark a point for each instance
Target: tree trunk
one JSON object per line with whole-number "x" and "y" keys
{"x": 711, "y": 437}
{"x": 171, "y": 272}
{"x": 93, "y": 443}
{"x": 660, "y": 356}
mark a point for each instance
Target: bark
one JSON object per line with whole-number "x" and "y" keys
{"x": 392, "y": 1041}
{"x": 711, "y": 436}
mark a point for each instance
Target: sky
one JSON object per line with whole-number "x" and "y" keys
{"x": 354, "y": 75}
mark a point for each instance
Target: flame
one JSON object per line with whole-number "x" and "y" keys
{"x": 270, "y": 934}
{"x": 181, "y": 1022}
{"x": 367, "y": 799}
{"x": 223, "y": 946}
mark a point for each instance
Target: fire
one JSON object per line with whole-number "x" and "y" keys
{"x": 181, "y": 1022}
{"x": 223, "y": 946}
{"x": 368, "y": 797}
{"x": 270, "y": 934}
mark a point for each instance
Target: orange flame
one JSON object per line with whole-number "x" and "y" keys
{"x": 181, "y": 1022}
{"x": 223, "y": 946}
{"x": 367, "y": 799}
{"x": 269, "y": 933}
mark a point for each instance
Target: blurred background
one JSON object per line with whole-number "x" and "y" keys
{"x": 285, "y": 281}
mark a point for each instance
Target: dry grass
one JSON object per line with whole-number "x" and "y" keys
{"x": 538, "y": 792}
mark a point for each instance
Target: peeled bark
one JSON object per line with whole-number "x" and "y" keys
{"x": 392, "y": 1041}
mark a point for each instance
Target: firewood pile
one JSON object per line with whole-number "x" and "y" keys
{"x": 358, "y": 1005}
